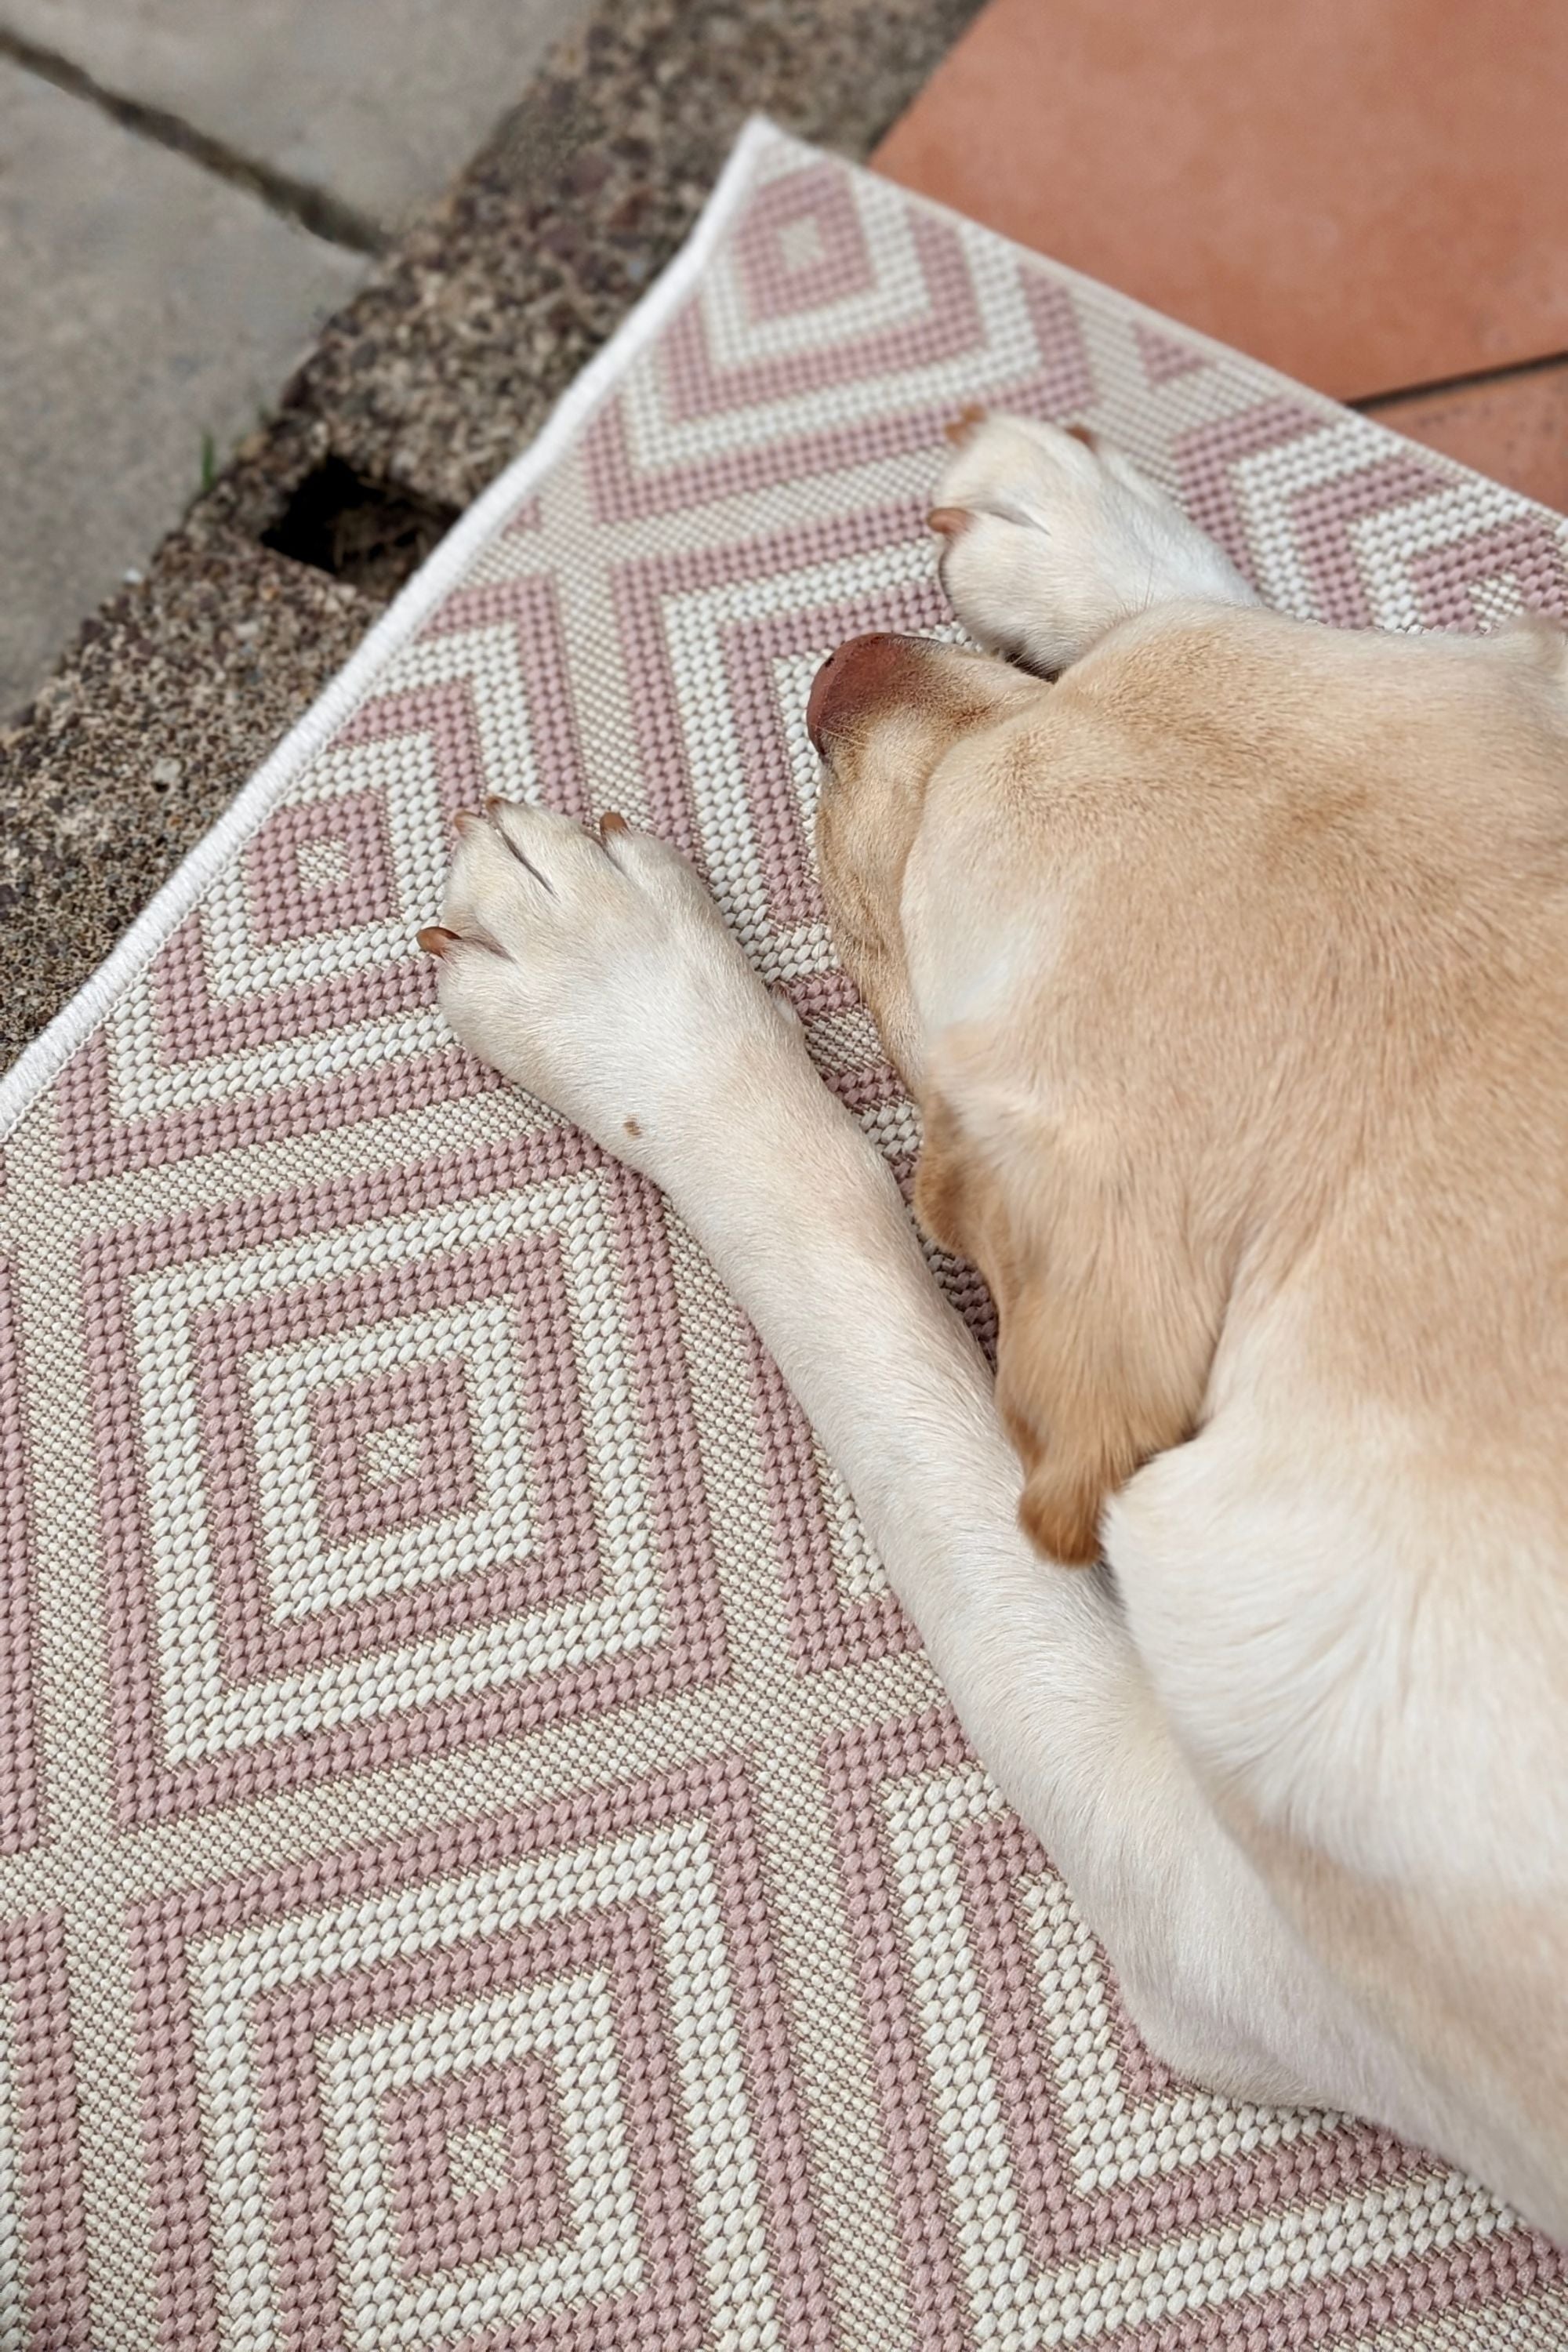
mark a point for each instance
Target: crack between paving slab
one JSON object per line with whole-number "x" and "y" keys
{"x": 308, "y": 207}
{"x": 1371, "y": 401}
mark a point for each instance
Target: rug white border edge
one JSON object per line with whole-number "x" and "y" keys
{"x": 42, "y": 1061}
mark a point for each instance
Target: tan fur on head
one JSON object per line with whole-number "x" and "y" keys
{"x": 964, "y": 426}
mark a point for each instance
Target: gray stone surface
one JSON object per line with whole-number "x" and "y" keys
{"x": 378, "y": 101}
{"x": 147, "y": 306}
{"x": 140, "y": 741}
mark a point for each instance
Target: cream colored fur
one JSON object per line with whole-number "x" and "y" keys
{"x": 1231, "y": 972}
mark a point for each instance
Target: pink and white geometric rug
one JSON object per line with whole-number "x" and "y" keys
{"x": 483, "y": 1863}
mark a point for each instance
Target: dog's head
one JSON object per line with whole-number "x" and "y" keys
{"x": 1161, "y": 949}
{"x": 979, "y": 878}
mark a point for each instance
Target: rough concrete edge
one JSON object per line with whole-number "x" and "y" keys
{"x": 575, "y": 115}
{"x": 48, "y": 1054}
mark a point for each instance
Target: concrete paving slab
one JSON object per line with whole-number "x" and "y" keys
{"x": 378, "y": 101}
{"x": 151, "y": 311}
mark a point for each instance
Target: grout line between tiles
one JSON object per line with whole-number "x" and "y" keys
{"x": 300, "y": 201}
{"x": 1369, "y": 403}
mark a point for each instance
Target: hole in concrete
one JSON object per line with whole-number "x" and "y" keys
{"x": 360, "y": 531}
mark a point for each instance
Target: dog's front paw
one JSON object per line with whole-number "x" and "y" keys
{"x": 1050, "y": 539}
{"x": 595, "y": 970}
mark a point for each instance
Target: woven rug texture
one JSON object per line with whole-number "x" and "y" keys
{"x": 483, "y": 1861}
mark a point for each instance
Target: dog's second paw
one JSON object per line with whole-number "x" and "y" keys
{"x": 1050, "y": 539}
{"x": 595, "y": 970}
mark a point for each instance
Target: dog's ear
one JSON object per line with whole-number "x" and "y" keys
{"x": 1107, "y": 1314}
{"x": 941, "y": 1188}
{"x": 1099, "y": 1367}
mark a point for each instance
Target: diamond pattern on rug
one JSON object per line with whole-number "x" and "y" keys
{"x": 533, "y": 2065}
{"x": 324, "y": 867}
{"x": 277, "y": 1615}
{"x": 800, "y": 247}
{"x": 286, "y": 1004}
{"x": 474, "y": 2162}
{"x": 484, "y": 1862}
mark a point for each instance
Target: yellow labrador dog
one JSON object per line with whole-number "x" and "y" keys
{"x": 1228, "y": 958}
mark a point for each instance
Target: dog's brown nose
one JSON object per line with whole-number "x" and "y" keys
{"x": 821, "y": 688}
{"x": 864, "y": 671}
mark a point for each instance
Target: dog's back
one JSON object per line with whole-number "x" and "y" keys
{"x": 1352, "y": 1584}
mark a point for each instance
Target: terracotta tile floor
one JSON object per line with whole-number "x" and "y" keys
{"x": 1369, "y": 193}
